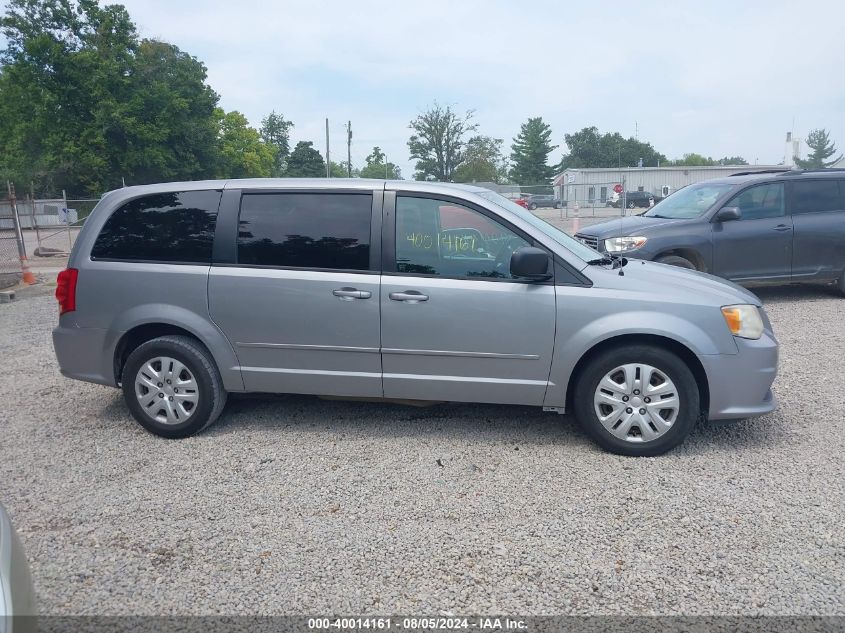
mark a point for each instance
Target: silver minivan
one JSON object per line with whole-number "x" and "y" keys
{"x": 180, "y": 293}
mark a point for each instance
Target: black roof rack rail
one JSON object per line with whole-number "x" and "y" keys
{"x": 825, "y": 170}
{"x": 761, "y": 171}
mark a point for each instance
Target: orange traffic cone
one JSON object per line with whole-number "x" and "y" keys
{"x": 28, "y": 277}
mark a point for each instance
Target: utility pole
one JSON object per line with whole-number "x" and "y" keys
{"x": 349, "y": 149}
{"x": 328, "y": 159}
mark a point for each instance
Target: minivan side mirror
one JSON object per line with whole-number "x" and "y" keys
{"x": 726, "y": 214}
{"x": 529, "y": 262}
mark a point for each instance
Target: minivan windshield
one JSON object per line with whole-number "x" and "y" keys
{"x": 690, "y": 202}
{"x": 580, "y": 250}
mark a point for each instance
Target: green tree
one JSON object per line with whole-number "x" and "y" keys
{"x": 378, "y": 167}
{"x": 437, "y": 142}
{"x": 692, "y": 160}
{"x": 588, "y": 148}
{"x": 530, "y": 153}
{"x": 732, "y": 160}
{"x": 306, "y": 162}
{"x": 339, "y": 170}
{"x": 823, "y": 148}
{"x": 482, "y": 161}
{"x": 242, "y": 154}
{"x": 275, "y": 131}
{"x": 84, "y": 103}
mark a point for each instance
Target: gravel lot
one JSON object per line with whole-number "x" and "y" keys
{"x": 298, "y": 505}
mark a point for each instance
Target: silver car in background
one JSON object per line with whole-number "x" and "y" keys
{"x": 17, "y": 598}
{"x": 181, "y": 293}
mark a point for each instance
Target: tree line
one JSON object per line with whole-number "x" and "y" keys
{"x": 87, "y": 105}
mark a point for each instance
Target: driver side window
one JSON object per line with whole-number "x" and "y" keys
{"x": 761, "y": 201}
{"x": 436, "y": 237}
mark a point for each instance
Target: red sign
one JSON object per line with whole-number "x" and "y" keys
{"x": 617, "y": 188}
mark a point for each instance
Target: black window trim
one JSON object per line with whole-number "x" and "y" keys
{"x": 126, "y": 201}
{"x": 388, "y": 263}
{"x": 225, "y": 253}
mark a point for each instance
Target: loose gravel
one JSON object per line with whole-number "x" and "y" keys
{"x": 295, "y": 505}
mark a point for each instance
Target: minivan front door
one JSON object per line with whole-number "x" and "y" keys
{"x": 455, "y": 325}
{"x": 300, "y": 301}
{"x": 759, "y": 244}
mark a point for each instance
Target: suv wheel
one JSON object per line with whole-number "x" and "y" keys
{"x": 172, "y": 386}
{"x": 532, "y": 206}
{"x": 632, "y": 205}
{"x": 637, "y": 400}
{"x": 676, "y": 260}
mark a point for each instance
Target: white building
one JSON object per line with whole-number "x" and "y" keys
{"x": 595, "y": 186}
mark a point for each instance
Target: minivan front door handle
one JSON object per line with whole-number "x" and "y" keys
{"x": 348, "y": 294}
{"x": 783, "y": 227}
{"x": 409, "y": 296}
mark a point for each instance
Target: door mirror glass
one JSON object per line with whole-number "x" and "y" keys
{"x": 727, "y": 214}
{"x": 529, "y": 262}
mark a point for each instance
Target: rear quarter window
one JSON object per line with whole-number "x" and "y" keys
{"x": 815, "y": 196}
{"x": 173, "y": 227}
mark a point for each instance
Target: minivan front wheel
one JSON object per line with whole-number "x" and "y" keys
{"x": 637, "y": 400}
{"x": 172, "y": 386}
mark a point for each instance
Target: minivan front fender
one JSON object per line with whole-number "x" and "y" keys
{"x": 575, "y": 341}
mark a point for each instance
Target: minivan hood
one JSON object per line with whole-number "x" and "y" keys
{"x": 621, "y": 227}
{"x": 679, "y": 284}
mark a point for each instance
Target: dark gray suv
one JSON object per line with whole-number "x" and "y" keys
{"x": 781, "y": 227}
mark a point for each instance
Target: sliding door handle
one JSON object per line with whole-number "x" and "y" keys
{"x": 409, "y": 296}
{"x": 348, "y": 294}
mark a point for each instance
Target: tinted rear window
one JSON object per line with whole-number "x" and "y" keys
{"x": 813, "y": 196}
{"x": 163, "y": 227}
{"x": 305, "y": 230}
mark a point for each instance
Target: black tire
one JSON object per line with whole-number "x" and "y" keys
{"x": 632, "y": 205}
{"x": 211, "y": 395}
{"x": 532, "y": 207}
{"x": 659, "y": 358}
{"x": 676, "y": 260}
{"x": 842, "y": 283}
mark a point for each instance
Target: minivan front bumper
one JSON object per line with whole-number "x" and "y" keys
{"x": 740, "y": 384}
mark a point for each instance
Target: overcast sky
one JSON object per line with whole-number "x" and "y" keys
{"x": 715, "y": 77}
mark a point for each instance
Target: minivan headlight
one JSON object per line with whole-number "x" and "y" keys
{"x": 616, "y": 244}
{"x": 743, "y": 321}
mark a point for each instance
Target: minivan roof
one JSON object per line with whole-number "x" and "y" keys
{"x": 300, "y": 183}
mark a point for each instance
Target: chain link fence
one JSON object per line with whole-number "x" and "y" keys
{"x": 573, "y": 207}
{"x": 43, "y": 231}
{"x": 11, "y": 270}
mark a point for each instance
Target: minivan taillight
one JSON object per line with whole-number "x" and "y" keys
{"x": 66, "y": 290}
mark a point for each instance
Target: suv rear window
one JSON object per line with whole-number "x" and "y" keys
{"x": 163, "y": 227}
{"x": 813, "y": 196}
{"x": 305, "y": 230}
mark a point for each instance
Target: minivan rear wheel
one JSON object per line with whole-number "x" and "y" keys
{"x": 637, "y": 400}
{"x": 172, "y": 386}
